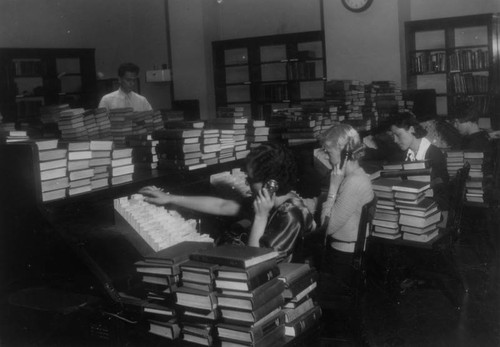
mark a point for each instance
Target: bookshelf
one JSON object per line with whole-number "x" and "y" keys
{"x": 33, "y": 77}
{"x": 458, "y": 57}
{"x": 260, "y": 73}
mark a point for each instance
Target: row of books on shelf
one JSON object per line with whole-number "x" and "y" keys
{"x": 467, "y": 83}
{"x": 428, "y": 62}
{"x": 227, "y": 295}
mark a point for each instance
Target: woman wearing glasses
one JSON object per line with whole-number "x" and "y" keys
{"x": 280, "y": 219}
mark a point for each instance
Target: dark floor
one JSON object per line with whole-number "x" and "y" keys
{"x": 420, "y": 315}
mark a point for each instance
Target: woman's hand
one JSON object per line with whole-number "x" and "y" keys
{"x": 337, "y": 175}
{"x": 263, "y": 203}
{"x": 155, "y": 195}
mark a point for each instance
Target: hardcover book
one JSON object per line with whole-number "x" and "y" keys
{"x": 250, "y": 317}
{"x": 258, "y": 297}
{"x": 237, "y": 256}
{"x": 178, "y": 252}
{"x": 303, "y": 322}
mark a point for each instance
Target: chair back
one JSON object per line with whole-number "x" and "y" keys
{"x": 457, "y": 196}
{"x": 367, "y": 214}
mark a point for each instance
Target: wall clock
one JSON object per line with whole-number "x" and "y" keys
{"x": 357, "y": 5}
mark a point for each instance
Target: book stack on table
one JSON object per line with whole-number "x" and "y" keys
{"x": 257, "y": 132}
{"x": 197, "y": 300}
{"x": 122, "y": 169}
{"x": 160, "y": 274}
{"x": 79, "y": 170}
{"x": 100, "y": 162}
{"x": 385, "y": 221}
{"x": 300, "y": 310}
{"x": 144, "y": 154}
{"x": 249, "y": 294}
{"x": 53, "y": 163}
{"x": 474, "y": 186}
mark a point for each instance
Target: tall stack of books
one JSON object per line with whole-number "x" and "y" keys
{"x": 158, "y": 227}
{"x": 121, "y": 120}
{"x": 71, "y": 125}
{"x": 300, "y": 310}
{"x": 257, "y": 132}
{"x": 227, "y": 144}
{"x": 104, "y": 125}
{"x": 348, "y": 96}
{"x": 91, "y": 124}
{"x": 160, "y": 273}
{"x": 100, "y": 162}
{"x": 249, "y": 294}
{"x": 386, "y": 219}
{"x": 79, "y": 170}
{"x": 144, "y": 154}
{"x": 233, "y": 137}
{"x": 419, "y": 215}
{"x": 474, "y": 190}
{"x": 210, "y": 146}
{"x": 389, "y": 98}
{"x": 53, "y": 163}
{"x": 122, "y": 169}
{"x": 454, "y": 161}
{"x": 300, "y": 130}
{"x": 179, "y": 148}
{"x": 198, "y": 300}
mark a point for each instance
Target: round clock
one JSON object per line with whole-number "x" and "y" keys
{"x": 357, "y": 5}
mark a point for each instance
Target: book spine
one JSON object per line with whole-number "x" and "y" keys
{"x": 306, "y": 321}
{"x": 262, "y": 278}
{"x": 265, "y": 309}
{"x": 298, "y": 286}
{"x": 267, "y": 327}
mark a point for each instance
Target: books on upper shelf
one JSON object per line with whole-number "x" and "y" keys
{"x": 237, "y": 256}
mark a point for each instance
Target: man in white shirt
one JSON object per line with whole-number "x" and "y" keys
{"x": 125, "y": 96}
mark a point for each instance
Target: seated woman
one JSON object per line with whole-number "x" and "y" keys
{"x": 349, "y": 190}
{"x": 280, "y": 220}
{"x": 410, "y": 137}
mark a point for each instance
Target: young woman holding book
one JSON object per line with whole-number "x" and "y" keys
{"x": 349, "y": 190}
{"x": 280, "y": 220}
{"x": 409, "y": 135}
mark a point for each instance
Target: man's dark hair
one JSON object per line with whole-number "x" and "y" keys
{"x": 405, "y": 120}
{"x": 273, "y": 161}
{"x": 127, "y": 67}
{"x": 470, "y": 113}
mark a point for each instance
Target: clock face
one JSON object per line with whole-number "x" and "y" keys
{"x": 357, "y": 5}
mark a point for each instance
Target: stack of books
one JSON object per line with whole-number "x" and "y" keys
{"x": 179, "y": 148}
{"x": 249, "y": 294}
{"x": 100, "y": 162}
{"x": 144, "y": 154}
{"x": 122, "y": 168}
{"x": 79, "y": 170}
{"x": 210, "y": 146}
{"x": 301, "y": 312}
{"x": 389, "y": 98}
{"x": 160, "y": 273}
{"x": 158, "y": 227}
{"x": 104, "y": 125}
{"x": 71, "y": 125}
{"x": 198, "y": 301}
{"x": 91, "y": 124}
{"x": 419, "y": 215}
{"x": 454, "y": 161}
{"x": 386, "y": 219}
{"x": 53, "y": 163}
{"x": 300, "y": 130}
{"x": 348, "y": 96}
{"x": 257, "y": 132}
{"x": 121, "y": 120}
{"x": 12, "y": 135}
{"x": 231, "y": 112}
{"x": 474, "y": 186}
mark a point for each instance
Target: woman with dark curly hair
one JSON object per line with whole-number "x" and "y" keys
{"x": 409, "y": 135}
{"x": 280, "y": 220}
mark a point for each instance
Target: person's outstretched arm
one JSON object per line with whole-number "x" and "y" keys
{"x": 204, "y": 204}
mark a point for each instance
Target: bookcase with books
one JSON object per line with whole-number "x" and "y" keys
{"x": 458, "y": 57}
{"x": 261, "y": 73}
{"x": 34, "y": 77}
